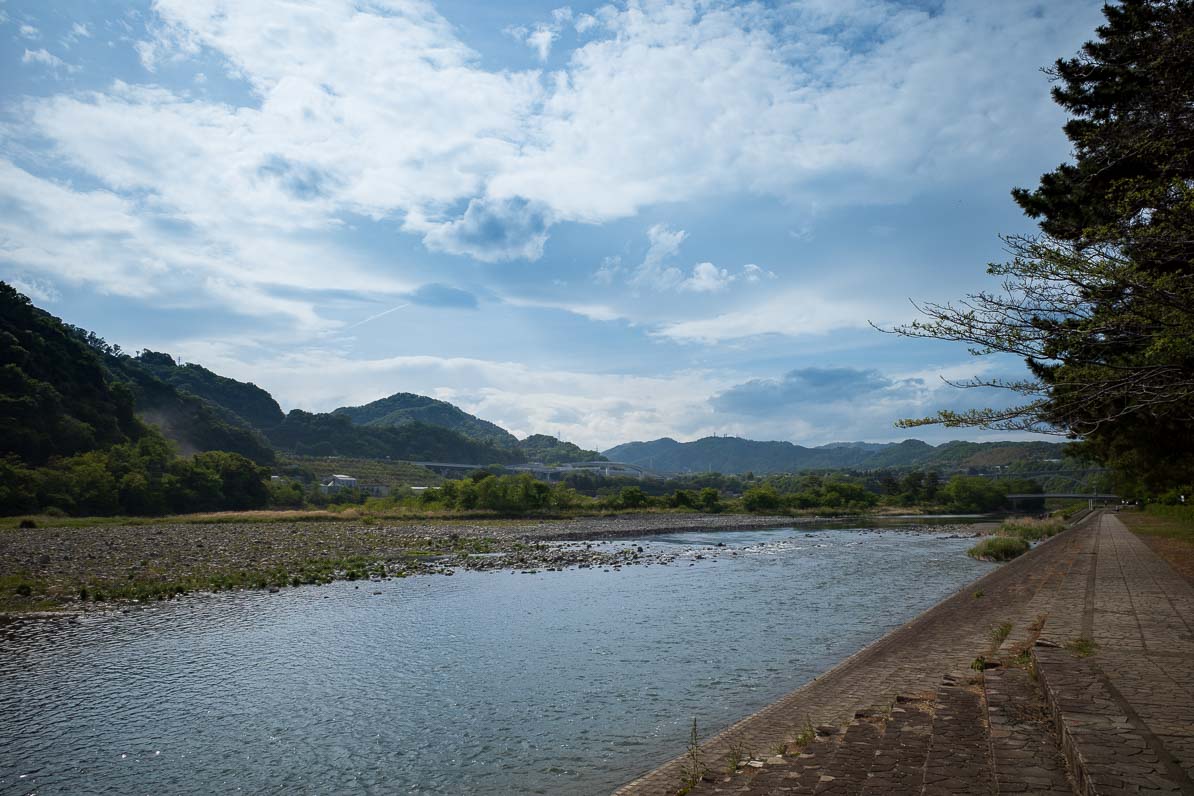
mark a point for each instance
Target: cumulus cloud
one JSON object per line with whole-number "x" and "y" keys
{"x": 866, "y": 101}
{"x": 707, "y": 278}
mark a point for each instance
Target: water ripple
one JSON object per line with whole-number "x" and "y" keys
{"x": 560, "y": 681}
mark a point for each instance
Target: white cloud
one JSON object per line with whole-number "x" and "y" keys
{"x": 396, "y": 118}
{"x": 40, "y": 290}
{"x": 45, "y": 58}
{"x": 792, "y": 313}
{"x": 127, "y": 247}
{"x": 707, "y": 278}
{"x": 593, "y": 312}
{"x": 609, "y": 270}
{"x": 29, "y": 32}
{"x": 663, "y": 244}
{"x": 753, "y": 273}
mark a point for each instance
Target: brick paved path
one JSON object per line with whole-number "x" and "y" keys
{"x": 908, "y": 715}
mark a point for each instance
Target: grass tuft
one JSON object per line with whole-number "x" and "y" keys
{"x": 999, "y": 548}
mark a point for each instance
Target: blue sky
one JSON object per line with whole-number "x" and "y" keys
{"x": 605, "y": 221}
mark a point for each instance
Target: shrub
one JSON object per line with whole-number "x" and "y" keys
{"x": 999, "y": 548}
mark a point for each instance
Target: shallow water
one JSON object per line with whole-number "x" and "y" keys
{"x": 490, "y": 683}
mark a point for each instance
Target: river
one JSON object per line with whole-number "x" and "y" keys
{"x": 483, "y": 682}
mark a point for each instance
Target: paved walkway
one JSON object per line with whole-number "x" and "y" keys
{"x": 1125, "y": 705}
{"x": 1115, "y": 716}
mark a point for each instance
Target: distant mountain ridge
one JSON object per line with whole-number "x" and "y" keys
{"x": 67, "y": 391}
{"x": 737, "y": 455}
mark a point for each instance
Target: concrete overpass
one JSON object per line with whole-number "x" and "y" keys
{"x": 1105, "y": 498}
{"x": 547, "y": 471}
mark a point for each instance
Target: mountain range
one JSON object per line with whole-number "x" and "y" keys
{"x": 67, "y": 391}
{"x": 737, "y": 455}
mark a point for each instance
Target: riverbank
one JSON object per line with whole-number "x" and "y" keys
{"x": 1059, "y": 672}
{"x": 77, "y": 568}
{"x": 83, "y": 568}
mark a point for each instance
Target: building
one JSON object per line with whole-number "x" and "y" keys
{"x": 336, "y": 483}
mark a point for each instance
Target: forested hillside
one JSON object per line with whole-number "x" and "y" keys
{"x": 248, "y": 402}
{"x": 335, "y": 435}
{"x": 71, "y": 440}
{"x": 55, "y": 396}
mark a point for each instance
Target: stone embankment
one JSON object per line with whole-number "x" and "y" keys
{"x": 1065, "y": 671}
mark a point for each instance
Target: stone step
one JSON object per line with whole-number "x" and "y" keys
{"x": 899, "y": 762}
{"x": 959, "y": 760}
{"x": 1025, "y": 752}
{"x": 1110, "y": 750}
{"x": 846, "y": 773}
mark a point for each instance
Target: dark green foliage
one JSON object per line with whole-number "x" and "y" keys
{"x": 310, "y": 434}
{"x": 55, "y": 399}
{"x": 133, "y": 478}
{"x": 194, "y": 423}
{"x": 405, "y": 408}
{"x": 632, "y": 497}
{"x": 506, "y": 494}
{"x": 1101, "y": 304}
{"x": 1128, "y": 94}
{"x": 549, "y": 450}
{"x": 71, "y": 441}
{"x": 248, "y": 402}
{"x": 762, "y": 499}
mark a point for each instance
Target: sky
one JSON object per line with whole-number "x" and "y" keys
{"x": 607, "y": 222}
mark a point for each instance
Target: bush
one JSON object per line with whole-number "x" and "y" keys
{"x": 761, "y": 498}
{"x": 999, "y": 548}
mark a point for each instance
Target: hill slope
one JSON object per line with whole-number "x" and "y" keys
{"x": 310, "y": 434}
{"x": 404, "y": 408}
{"x": 253, "y": 405}
{"x": 55, "y": 395}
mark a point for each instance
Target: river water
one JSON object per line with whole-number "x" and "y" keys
{"x": 488, "y": 683}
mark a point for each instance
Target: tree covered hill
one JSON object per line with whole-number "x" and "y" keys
{"x": 311, "y": 434}
{"x": 404, "y": 408}
{"x": 55, "y": 395}
{"x": 737, "y": 455}
{"x": 549, "y": 450}
{"x": 252, "y": 405}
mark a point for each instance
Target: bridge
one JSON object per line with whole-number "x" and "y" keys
{"x": 1105, "y": 498}
{"x": 548, "y": 471}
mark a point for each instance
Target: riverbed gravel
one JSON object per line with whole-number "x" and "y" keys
{"x": 60, "y": 561}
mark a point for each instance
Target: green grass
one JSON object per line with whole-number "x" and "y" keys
{"x": 998, "y": 548}
{"x": 1082, "y": 647}
{"x": 1000, "y": 633}
{"x": 1170, "y": 522}
{"x": 1031, "y": 530}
